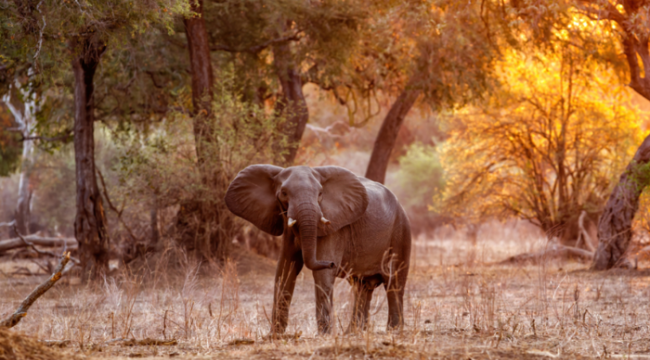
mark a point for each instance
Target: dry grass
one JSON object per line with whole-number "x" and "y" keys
{"x": 458, "y": 305}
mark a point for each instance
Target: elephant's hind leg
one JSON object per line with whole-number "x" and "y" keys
{"x": 397, "y": 272}
{"x": 363, "y": 289}
{"x": 394, "y": 283}
{"x": 395, "y": 296}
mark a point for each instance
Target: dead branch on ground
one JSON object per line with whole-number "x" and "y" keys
{"x": 41, "y": 252}
{"x": 15, "y": 243}
{"x": 11, "y": 223}
{"x": 553, "y": 251}
{"x": 21, "y": 312}
{"x": 150, "y": 342}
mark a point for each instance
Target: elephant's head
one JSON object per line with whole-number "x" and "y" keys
{"x": 314, "y": 201}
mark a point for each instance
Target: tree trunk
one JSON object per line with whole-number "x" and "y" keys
{"x": 387, "y": 135}
{"x": 155, "y": 233}
{"x": 23, "y": 108}
{"x": 292, "y": 104}
{"x": 202, "y": 83}
{"x": 90, "y": 222}
{"x": 198, "y": 222}
{"x": 615, "y": 225}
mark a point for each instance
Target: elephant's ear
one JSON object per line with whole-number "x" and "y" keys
{"x": 344, "y": 198}
{"x": 252, "y": 196}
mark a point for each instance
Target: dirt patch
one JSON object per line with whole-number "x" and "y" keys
{"x": 248, "y": 261}
{"x": 174, "y": 261}
{"x": 15, "y": 346}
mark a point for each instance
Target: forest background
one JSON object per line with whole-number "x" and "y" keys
{"x": 122, "y": 123}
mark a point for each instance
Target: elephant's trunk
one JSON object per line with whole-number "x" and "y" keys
{"x": 308, "y": 217}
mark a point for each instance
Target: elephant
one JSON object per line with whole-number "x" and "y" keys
{"x": 335, "y": 223}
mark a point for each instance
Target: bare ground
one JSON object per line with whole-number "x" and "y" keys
{"x": 459, "y": 304}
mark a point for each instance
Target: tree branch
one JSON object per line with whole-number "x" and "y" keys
{"x": 112, "y": 207}
{"x": 64, "y": 137}
{"x": 21, "y": 312}
{"x": 257, "y": 48}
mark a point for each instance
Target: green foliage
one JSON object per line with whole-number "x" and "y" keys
{"x": 39, "y": 37}
{"x": 638, "y": 176}
{"x": 420, "y": 174}
{"x": 162, "y": 164}
{"x": 10, "y": 145}
{"x": 10, "y": 151}
{"x": 321, "y": 36}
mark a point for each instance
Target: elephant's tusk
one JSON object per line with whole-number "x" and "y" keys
{"x": 291, "y": 222}
{"x": 324, "y": 221}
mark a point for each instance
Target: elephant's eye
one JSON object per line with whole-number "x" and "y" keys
{"x": 284, "y": 193}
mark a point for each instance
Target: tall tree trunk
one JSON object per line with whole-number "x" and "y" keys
{"x": 388, "y": 132}
{"x": 22, "y": 104}
{"x": 615, "y": 225}
{"x": 292, "y": 104}
{"x": 90, "y": 222}
{"x": 202, "y": 83}
{"x": 198, "y": 221}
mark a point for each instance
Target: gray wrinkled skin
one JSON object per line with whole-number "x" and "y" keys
{"x": 367, "y": 239}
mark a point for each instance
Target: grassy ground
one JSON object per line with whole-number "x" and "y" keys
{"x": 459, "y": 304}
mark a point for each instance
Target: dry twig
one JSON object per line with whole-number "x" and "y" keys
{"x": 585, "y": 234}
{"x": 21, "y": 312}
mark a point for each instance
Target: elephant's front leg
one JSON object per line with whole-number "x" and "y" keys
{"x": 289, "y": 267}
{"x": 324, "y": 283}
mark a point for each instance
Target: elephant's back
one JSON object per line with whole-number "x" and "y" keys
{"x": 383, "y": 206}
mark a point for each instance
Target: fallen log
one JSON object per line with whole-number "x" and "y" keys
{"x": 7, "y": 224}
{"x": 553, "y": 251}
{"x": 15, "y": 243}
{"x": 21, "y": 312}
{"x": 41, "y": 252}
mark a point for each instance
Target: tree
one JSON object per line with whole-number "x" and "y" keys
{"x": 277, "y": 47}
{"x": 90, "y": 227}
{"x": 632, "y": 25}
{"x": 546, "y": 146}
{"x": 452, "y": 66}
{"x": 78, "y": 33}
{"x": 21, "y": 99}
{"x": 292, "y": 102}
{"x": 623, "y": 44}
